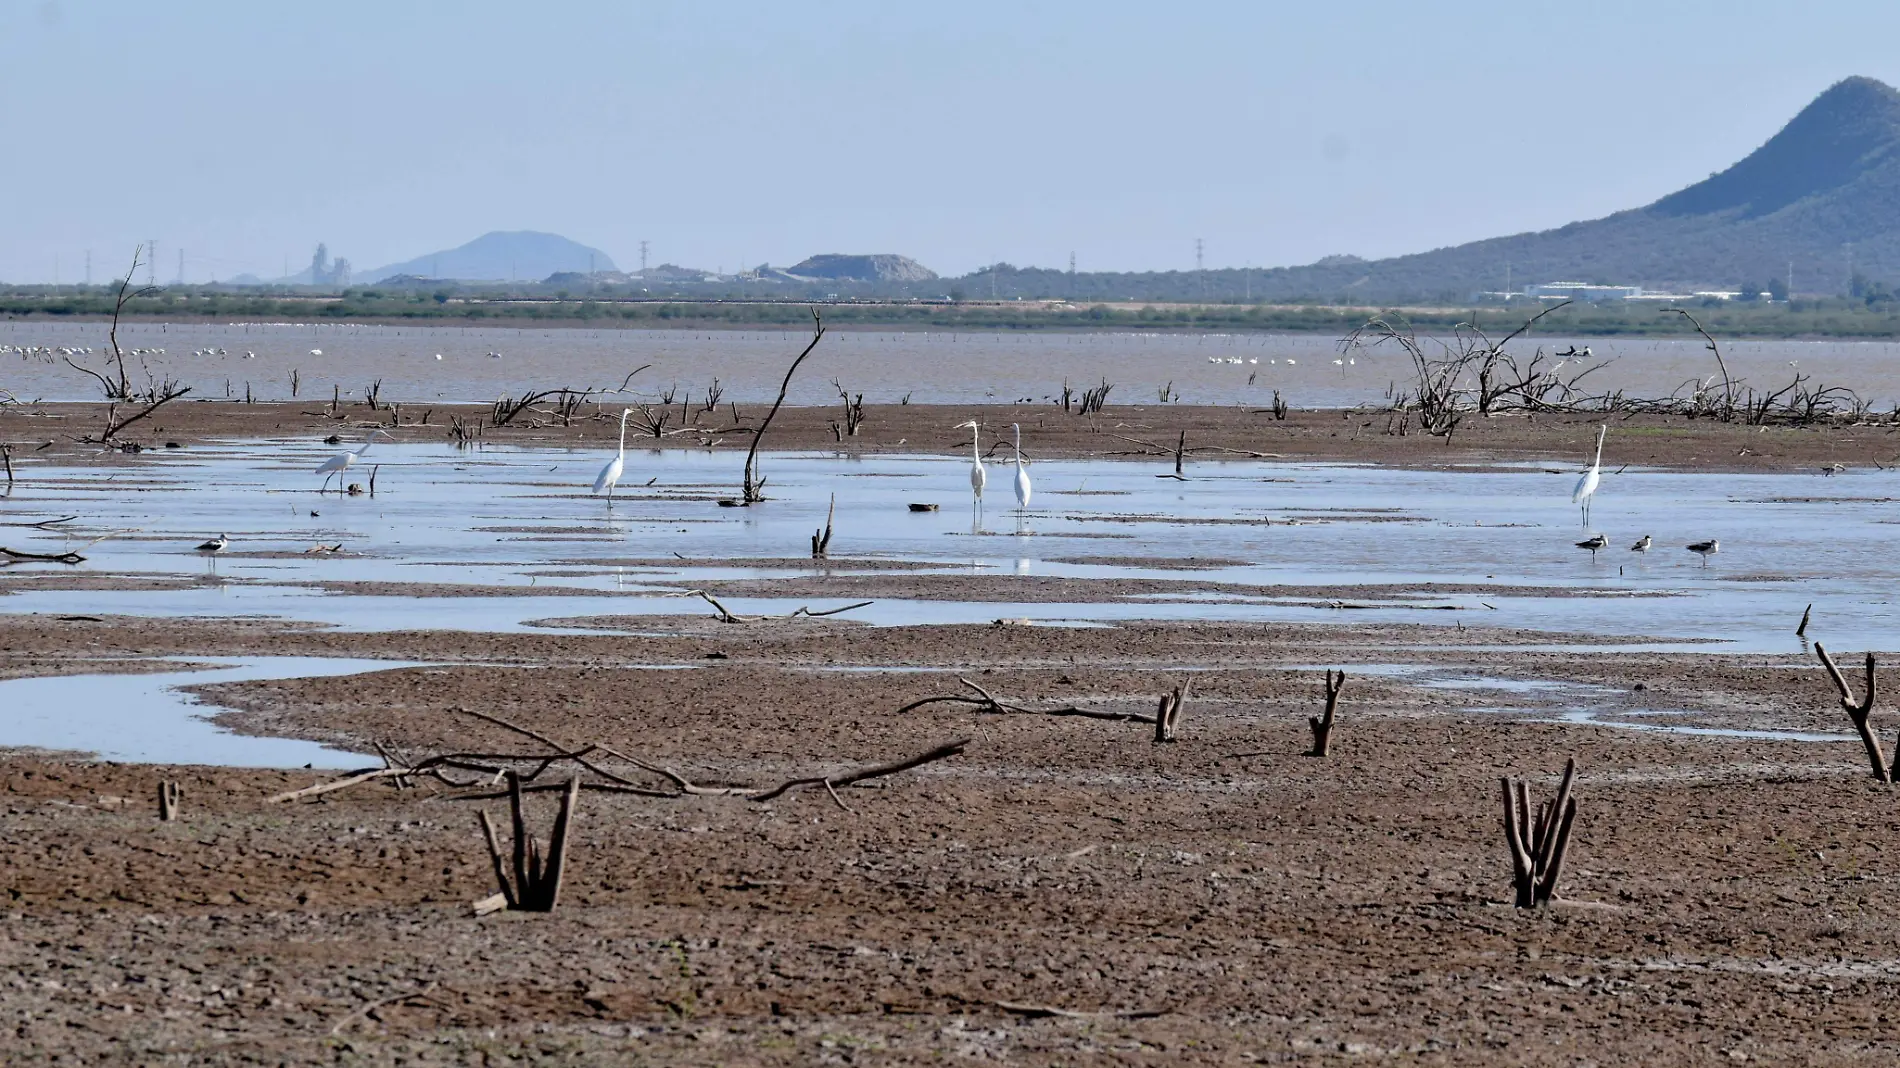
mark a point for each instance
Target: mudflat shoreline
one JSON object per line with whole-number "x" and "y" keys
{"x": 1144, "y": 433}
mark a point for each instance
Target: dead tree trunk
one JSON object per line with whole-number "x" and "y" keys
{"x": 1168, "y": 716}
{"x": 536, "y": 882}
{"x": 821, "y": 539}
{"x": 752, "y": 489}
{"x": 1860, "y": 714}
{"x": 169, "y": 797}
{"x": 1538, "y": 843}
{"x": 1323, "y": 725}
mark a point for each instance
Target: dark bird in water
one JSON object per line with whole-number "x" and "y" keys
{"x": 1706, "y": 549}
{"x": 216, "y": 545}
{"x": 1642, "y": 545}
{"x": 1593, "y": 543}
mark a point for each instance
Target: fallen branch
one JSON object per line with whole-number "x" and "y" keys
{"x": 989, "y": 703}
{"x": 728, "y": 616}
{"x": 1043, "y": 1011}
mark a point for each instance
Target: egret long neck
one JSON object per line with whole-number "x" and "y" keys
{"x": 975, "y": 453}
{"x": 1019, "y": 444}
{"x": 623, "y": 435}
{"x": 1598, "y": 462}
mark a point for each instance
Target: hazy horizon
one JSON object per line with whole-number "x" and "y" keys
{"x": 758, "y": 133}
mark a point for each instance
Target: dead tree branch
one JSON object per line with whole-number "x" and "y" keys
{"x": 1538, "y": 843}
{"x": 989, "y": 703}
{"x": 536, "y": 886}
{"x": 1860, "y": 713}
{"x": 821, "y": 539}
{"x": 752, "y": 491}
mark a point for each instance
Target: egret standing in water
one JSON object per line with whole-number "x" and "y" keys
{"x": 978, "y": 477}
{"x": 343, "y": 461}
{"x": 1587, "y": 485}
{"x": 611, "y": 473}
{"x": 1022, "y": 478}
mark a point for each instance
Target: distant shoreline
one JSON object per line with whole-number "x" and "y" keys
{"x": 1831, "y": 319}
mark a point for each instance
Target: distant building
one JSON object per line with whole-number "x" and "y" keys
{"x": 325, "y": 273}
{"x": 1584, "y": 291}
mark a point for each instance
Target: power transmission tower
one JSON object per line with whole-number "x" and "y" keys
{"x": 643, "y": 259}
{"x": 151, "y": 262}
{"x": 181, "y": 266}
{"x": 1071, "y": 275}
{"x": 89, "y": 267}
{"x": 1200, "y": 272}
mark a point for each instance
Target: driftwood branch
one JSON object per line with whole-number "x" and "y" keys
{"x": 991, "y": 704}
{"x": 728, "y": 616}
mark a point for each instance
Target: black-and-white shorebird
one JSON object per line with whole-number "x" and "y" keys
{"x": 1642, "y": 545}
{"x": 216, "y": 545}
{"x": 1705, "y": 549}
{"x": 1593, "y": 543}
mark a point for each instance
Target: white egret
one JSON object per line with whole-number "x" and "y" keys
{"x": 1705, "y": 549}
{"x": 1022, "y": 476}
{"x": 216, "y": 545}
{"x": 1593, "y": 543}
{"x": 1642, "y": 546}
{"x": 1587, "y": 485}
{"x": 978, "y": 477}
{"x": 342, "y": 461}
{"x": 611, "y": 473}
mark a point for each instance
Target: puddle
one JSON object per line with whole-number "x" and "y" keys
{"x": 148, "y": 718}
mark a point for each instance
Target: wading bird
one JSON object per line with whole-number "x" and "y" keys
{"x": 1587, "y": 485}
{"x": 611, "y": 473}
{"x": 978, "y": 477}
{"x": 216, "y": 545}
{"x": 1642, "y": 545}
{"x": 1705, "y": 549}
{"x": 1022, "y": 476}
{"x": 342, "y": 461}
{"x": 1593, "y": 543}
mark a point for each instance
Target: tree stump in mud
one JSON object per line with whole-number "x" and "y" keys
{"x": 1538, "y": 844}
{"x": 1323, "y": 725}
{"x": 1168, "y": 716}
{"x": 169, "y": 797}
{"x": 536, "y": 883}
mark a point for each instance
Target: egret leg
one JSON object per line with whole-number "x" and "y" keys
{"x": 325, "y": 488}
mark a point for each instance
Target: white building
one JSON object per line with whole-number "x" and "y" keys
{"x": 1583, "y": 291}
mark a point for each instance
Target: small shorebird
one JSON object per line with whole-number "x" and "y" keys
{"x": 1593, "y": 543}
{"x": 216, "y": 545}
{"x": 1641, "y": 546}
{"x": 1705, "y": 549}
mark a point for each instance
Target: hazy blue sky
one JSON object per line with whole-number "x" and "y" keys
{"x": 959, "y": 133}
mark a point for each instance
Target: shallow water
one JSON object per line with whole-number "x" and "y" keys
{"x": 929, "y": 366}
{"x": 519, "y": 519}
{"x": 470, "y": 519}
{"x": 150, "y": 719}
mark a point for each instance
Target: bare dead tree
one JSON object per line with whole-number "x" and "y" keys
{"x": 753, "y": 488}
{"x": 1860, "y": 713}
{"x": 1322, "y": 725}
{"x": 1093, "y": 399}
{"x": 1538, "y": 842}
{"x": 713, "y": 393}
{"x": 1279, "y": 407}
{"x": 157, "y": 396}
{"x": 119, "y": 386}
{"x": 536, "y": 886}
{"x": 853, "y": 409}
{"x": 370, "y": 394}
{"x": 1727, "y": 413}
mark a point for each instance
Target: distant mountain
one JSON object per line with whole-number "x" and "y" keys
{"x": 502, "y": 255}
{"x": 879, "y": 268}
{"x": 1828, "y": 180}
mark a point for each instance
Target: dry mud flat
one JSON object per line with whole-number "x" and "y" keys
{"x": 1727, "y": 899}
{"x": 1126, "y": 431}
